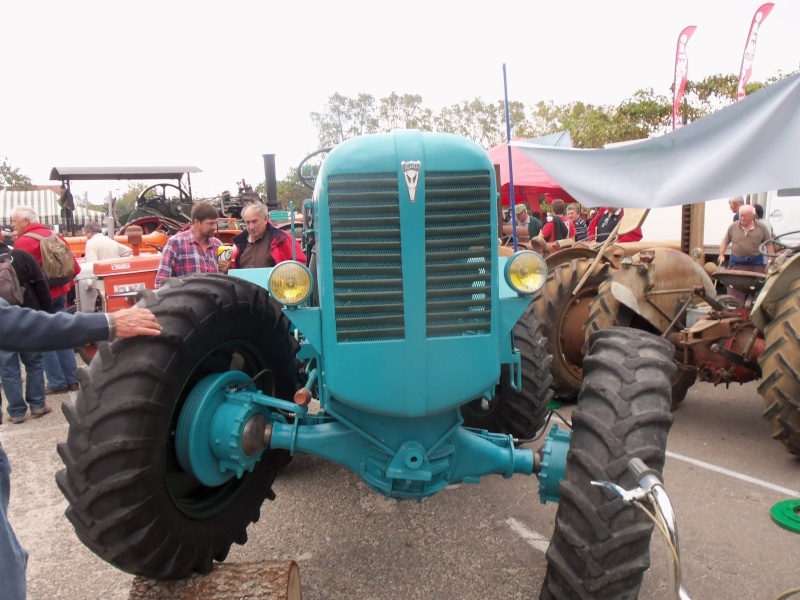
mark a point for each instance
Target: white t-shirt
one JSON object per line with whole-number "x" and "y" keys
{"x": 100, "y": 247}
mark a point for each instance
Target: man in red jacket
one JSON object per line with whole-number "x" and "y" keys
{"x": 60, "y": 366}
{"x": 263, "y": 244}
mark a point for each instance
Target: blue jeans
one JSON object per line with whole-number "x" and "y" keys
{"x": 60, "y": 366}
{"x": 12, "y": 381}
{"x": 13, "y": 557}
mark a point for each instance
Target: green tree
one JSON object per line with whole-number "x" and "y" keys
{"x": 645, "y": 114}
{"x": 404, "y": 112}
{"x": 482, "y": 122}
{"x": 10, "y": 177}
{"x": 290, "y": 189}
{"x": 344, "y": 118}
{"x": 125, "y": 204}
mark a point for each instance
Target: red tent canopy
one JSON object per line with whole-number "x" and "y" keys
{"x": 529, "y": 180}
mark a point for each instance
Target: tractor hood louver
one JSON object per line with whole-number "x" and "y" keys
{"x": 367, "y": 259}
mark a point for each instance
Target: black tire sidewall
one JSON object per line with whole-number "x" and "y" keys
{"x": 133, "y": 395}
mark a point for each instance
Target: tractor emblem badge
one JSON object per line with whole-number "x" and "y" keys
{"x": 411, "y": 171}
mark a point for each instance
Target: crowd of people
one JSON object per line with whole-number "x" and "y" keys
{"x": 566, "y": 224}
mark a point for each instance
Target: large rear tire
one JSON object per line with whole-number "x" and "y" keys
{"x": 129, "y": 500}
{"x": 780, "y": 367}
{"x": 601, "y": 546}
{"x": 518, "y": 413}
{"x": 606, "y": 311}
{"x": 563, "y": 315}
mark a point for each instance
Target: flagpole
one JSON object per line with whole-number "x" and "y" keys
{"x": 512, "y": 207}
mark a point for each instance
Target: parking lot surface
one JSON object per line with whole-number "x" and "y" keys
{"x": 723, "y": 472}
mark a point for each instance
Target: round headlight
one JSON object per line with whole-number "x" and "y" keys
{"x": 290, "y": 283}
{"x": 526, "y": 272}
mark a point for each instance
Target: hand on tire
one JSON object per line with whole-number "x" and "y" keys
{"x": 135, "y": 321}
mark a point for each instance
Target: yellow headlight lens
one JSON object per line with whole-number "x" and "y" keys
{"x": 290, "y": 283}
{"x": 526, "y": 272}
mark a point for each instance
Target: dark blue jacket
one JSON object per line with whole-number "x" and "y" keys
{"x": 28, "y": 330}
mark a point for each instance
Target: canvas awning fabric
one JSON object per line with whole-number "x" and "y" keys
{"x": 748, "y": 147}
{"x": 529, "y": 179}
{"x": 45, "y": 203}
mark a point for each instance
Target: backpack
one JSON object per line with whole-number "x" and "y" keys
{"x": 57, "y": 261}
{"x": 560, "y": 229}
{"x": 10, "y": 289}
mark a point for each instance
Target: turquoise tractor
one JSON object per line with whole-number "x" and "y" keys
{"x": 397, "y": 352}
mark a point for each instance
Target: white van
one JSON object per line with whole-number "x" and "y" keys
{"x": 782, "y": 210}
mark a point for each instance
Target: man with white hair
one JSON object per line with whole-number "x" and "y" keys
{"x": 735, "y": 204}
{"x": 262, "y": 244}
{"x": 60, "y": 367}
{"x": 745, "y": 237}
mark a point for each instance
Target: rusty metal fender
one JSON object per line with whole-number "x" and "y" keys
{"x": 782, "y": 274}
{"x": 656, "y": 290}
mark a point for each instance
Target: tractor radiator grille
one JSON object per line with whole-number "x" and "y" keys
{"x": 458, "y": 253}
{"x": 367, "y": 271}
{"x": 367, "y": 268}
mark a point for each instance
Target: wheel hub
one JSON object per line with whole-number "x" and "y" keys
{"x": 554, "y": 463}
{"x": 220, "y": 430}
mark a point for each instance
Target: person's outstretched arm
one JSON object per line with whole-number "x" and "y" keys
{"x": 26, "y": 330}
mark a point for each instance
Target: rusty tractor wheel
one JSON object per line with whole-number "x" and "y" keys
{"x": 518, "y": 413}
{"x": 606, "y": 311}
{"x": 563, "y": 315}
{"x": 130, "y": 501}
{"x": 780, "y": 367}
{"x": 601, "y": 546}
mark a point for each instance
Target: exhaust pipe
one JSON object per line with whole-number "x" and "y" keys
{"x": 271, "y": 181}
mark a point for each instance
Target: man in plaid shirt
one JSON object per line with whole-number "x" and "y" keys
{"x": 193, "y": 250}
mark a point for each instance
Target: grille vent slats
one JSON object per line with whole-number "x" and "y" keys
{"x": 458, "y": 253}
{"x": 367, "y": 269}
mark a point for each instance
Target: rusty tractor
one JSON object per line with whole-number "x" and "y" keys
{"x": 716, "y": 339}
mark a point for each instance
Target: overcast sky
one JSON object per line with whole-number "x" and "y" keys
{"x": 216, "y": 85}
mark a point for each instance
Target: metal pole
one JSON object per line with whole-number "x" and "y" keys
{"x": 271, "y": 181}
{"x": 511, "y": 201}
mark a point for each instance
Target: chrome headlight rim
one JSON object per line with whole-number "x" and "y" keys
{"x": 515, "y": 261}
{"x": 279, "y": 272}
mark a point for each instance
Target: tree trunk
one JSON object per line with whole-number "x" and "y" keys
{"x": 267, "y": 580}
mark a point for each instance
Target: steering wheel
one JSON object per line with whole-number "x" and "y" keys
{"x": 308, "y": 173}
{"x": 158, "y": 192}
{"x": 792, "y": 246}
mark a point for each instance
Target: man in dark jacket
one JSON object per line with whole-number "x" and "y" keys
{"x": 26, "y": 330}
{"x": 36, "y": 296}
{"x": 604, "y": 222}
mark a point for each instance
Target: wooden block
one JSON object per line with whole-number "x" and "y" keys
{"x": 267, "y": 580}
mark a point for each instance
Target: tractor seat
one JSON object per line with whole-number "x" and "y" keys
{"x": 746, "y": 282}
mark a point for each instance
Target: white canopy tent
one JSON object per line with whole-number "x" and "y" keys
{"x": 45, "y": 203}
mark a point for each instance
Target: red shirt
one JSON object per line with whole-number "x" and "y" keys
{"x": 29, "y": 244}
{"x": 548, "y": 232}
